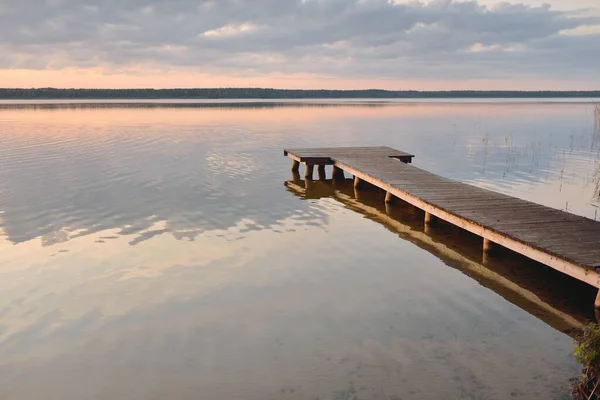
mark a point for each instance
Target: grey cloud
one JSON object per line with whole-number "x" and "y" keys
{"x": 353, "y": 38}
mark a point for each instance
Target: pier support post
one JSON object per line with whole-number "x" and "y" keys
{"x": 321, "y": 172}
{"x": 430, "y": 220}
{"x": 338, "y": 174}
{"x": 308, "y": 173}
{"x": 358, "y": 183}
{"x": 388, "y": 209}
{"x": 389, "y": 198}
{"x": 309, "y": 186}
{"x": 295, "y": 166}
{"x": 296, "y": 177}
{"x": 489, "y": 247}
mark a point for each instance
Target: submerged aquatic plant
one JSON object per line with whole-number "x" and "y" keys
{"x": 587, "y": 353}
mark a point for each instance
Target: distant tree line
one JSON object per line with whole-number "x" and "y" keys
{"x": 258, "y": 93}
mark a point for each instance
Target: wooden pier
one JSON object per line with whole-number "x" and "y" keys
{"x": 560, "y": 240}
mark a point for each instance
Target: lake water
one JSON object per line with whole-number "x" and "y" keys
{"x": 155, "y": 251}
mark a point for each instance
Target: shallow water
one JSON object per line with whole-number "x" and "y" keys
{"x": 153, "y": 251}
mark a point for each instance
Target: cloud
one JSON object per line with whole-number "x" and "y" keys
{"x": 440, "y": 39}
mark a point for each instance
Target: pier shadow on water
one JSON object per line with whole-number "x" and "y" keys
{"x": 557, "y": 299}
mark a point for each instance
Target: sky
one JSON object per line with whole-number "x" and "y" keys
{"x": 336, "y": 44}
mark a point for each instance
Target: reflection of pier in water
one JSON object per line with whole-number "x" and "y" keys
{"x": 558, "y": 300}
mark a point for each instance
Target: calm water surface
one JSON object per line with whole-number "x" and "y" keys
{"x": 154, "y": 252}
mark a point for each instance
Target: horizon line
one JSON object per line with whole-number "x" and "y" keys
{"x": 307, "y": 90}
